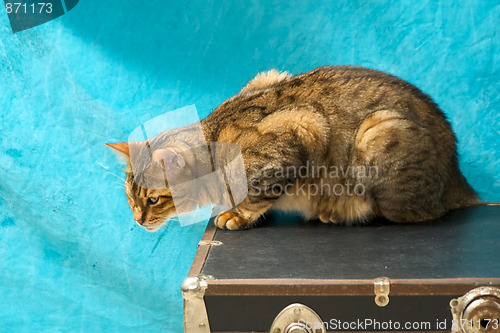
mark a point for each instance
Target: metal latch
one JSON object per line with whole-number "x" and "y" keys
{"x": 210, "y": 242}
{"x": 195, "y": 313}
{"x": 477, "y": 311}
{"x": 297, "y": 318}
{"x": 382, "y": 287}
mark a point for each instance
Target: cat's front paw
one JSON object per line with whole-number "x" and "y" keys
{"x": 230, "y": 220}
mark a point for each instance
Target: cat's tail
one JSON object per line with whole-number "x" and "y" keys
{"x": 459, "y": 193}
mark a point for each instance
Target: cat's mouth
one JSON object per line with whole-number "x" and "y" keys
{"x": 153, "y": 228}
{"x": 154, "y": 224}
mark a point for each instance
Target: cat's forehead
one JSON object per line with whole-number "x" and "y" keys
{"x": 132, "y": 186}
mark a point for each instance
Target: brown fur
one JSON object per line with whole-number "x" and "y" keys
{"x": 343, "y": 117}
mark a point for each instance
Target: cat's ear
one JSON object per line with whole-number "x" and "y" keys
{"x": 171, "y": 159}
{"x": 121, "y": 147}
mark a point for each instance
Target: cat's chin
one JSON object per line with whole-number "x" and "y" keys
{"x": 153, "y": 228}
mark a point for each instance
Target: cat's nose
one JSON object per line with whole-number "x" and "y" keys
{"x": 139, "y": 218}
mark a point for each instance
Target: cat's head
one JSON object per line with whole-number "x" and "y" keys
{"x": 149, "y": 173}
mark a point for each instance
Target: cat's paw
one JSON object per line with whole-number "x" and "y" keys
{"x": 328, "y": 218}
{"x": 230, "y": 220}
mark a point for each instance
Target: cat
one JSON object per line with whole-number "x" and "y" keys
{"x": 352, "y": 125}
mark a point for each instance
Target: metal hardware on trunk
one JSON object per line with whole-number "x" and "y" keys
{"x": 210, "y": 242}
{"x": 297, "y": 318}
{"x": 195, "y": 313}
{"x": 382, "y": 288}
{"x": 477, "y": 311}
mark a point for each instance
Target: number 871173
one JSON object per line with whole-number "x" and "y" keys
{"x": 24, "y": 8}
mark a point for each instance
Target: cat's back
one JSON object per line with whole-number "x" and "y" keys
{"x": 358, "y": 90}
{"x": 344, "y": 95}
{"x": 347, "y": 90}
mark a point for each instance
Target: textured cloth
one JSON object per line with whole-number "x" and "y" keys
{"x": 71, "y": 258}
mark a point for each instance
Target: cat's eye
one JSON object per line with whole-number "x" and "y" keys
{"x": 152, "y": 200}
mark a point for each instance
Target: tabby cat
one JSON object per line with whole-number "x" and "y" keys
{"x": 372, "y": 143}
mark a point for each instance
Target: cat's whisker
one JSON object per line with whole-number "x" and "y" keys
{"x": 105, "y": 167}
{"x": 111, "y": 173}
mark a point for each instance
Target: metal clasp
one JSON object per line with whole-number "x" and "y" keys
{"x": 210, "y": 242}
{"x": 476, "y": 311}
{"x": 195, "y": 313}
{"x": 382, "y": 287}
{"x": 297, "y": 318}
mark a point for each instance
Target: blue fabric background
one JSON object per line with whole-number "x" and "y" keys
{"x": 71, "y": 259}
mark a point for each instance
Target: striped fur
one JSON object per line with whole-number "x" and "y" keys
{"x": 343, "y": 117}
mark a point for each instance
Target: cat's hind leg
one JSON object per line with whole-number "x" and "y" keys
{"x": 412, "y": 171}
{"x": 328, "y": 218}
{"x": 349, "y": 210}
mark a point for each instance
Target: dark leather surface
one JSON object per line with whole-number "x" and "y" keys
{"x": 464, "y": 243}
{"x": 256, "y": 313}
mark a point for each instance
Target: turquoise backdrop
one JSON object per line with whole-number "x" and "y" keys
{"x": 71, "y": 258}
